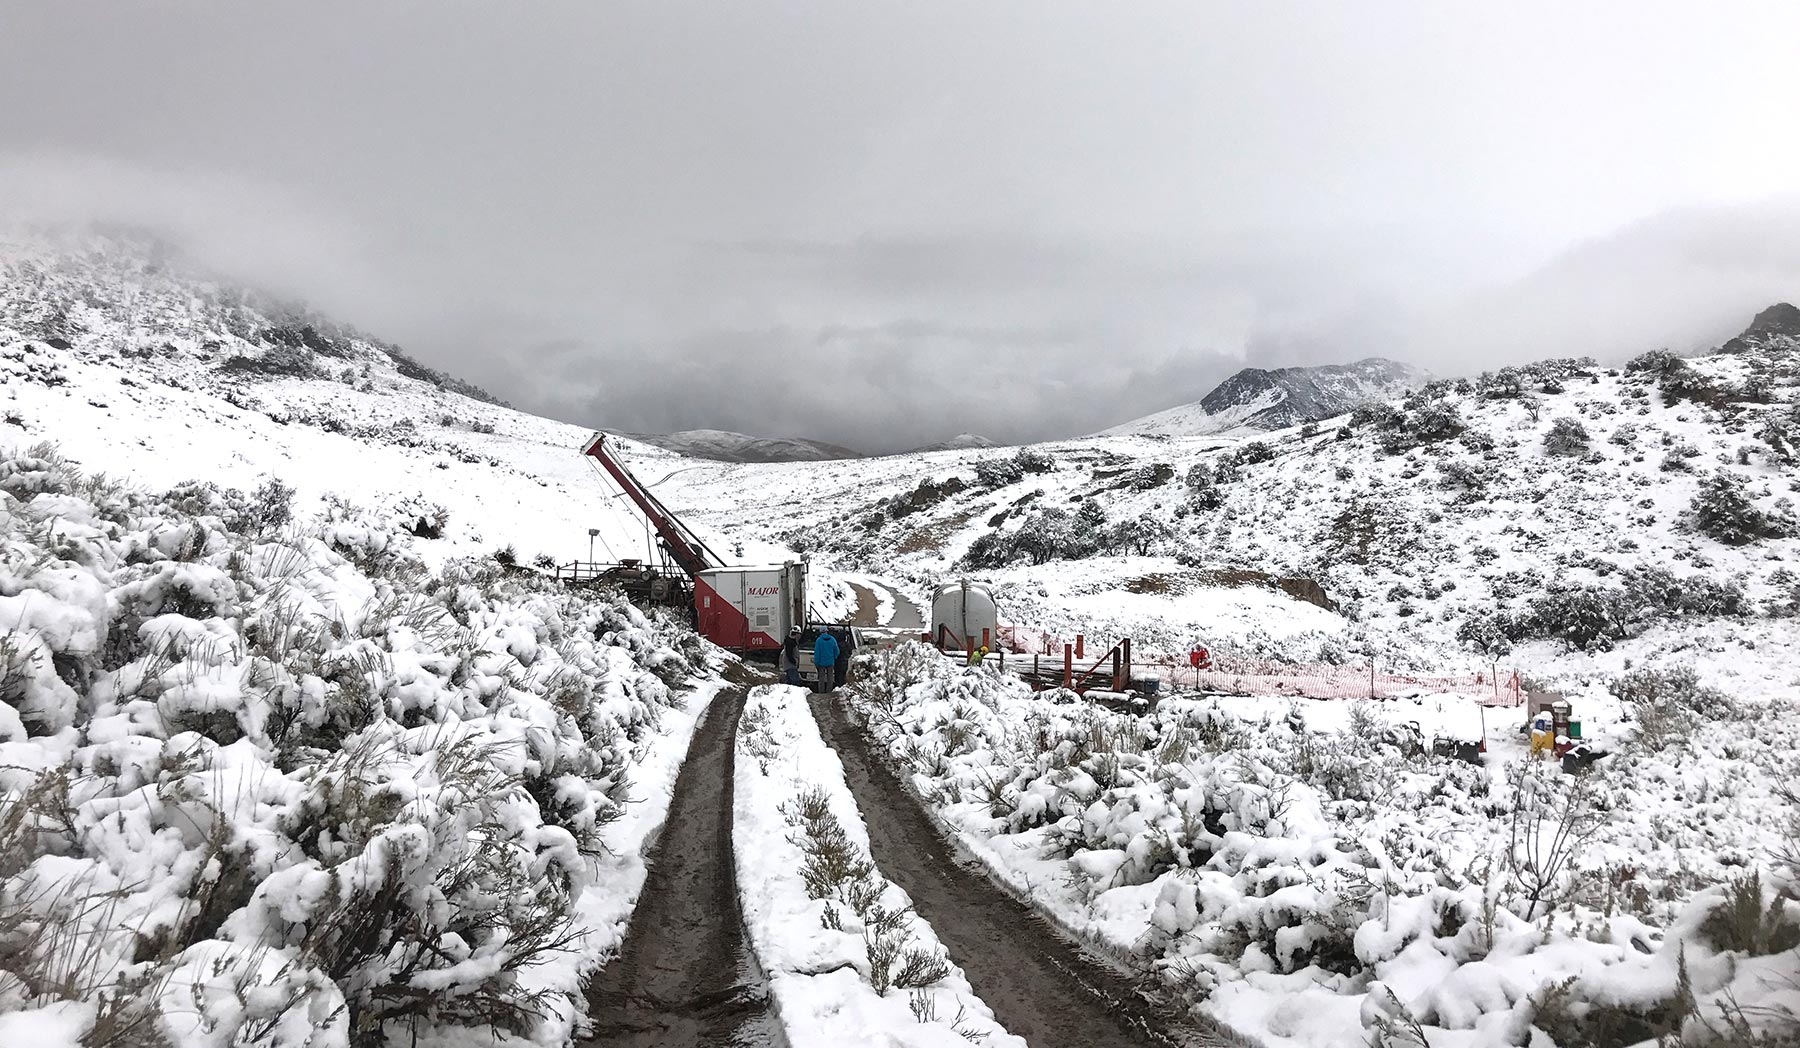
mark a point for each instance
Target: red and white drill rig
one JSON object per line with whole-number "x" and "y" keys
{"x": 747, "y": 608}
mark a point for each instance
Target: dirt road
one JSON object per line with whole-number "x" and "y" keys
{"x": 1039, "y": 985}
{"x": 905, "y": 615}
{"x": 686, "y": 978}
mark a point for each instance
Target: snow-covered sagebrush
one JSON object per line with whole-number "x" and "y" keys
{"x": 281, "y": 784}
{"x": 1334, "y": 881}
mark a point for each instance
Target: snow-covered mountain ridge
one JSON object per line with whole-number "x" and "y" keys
{"x": 726, "y": 446}
{"x": 1463, "y": 501}
{"x": 81, "y": 291}
{"x": 1258, "y": 398}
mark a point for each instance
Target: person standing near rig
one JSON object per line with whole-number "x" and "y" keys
{"x": 825, "y": 655}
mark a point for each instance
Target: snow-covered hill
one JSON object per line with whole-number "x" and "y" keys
{"x": 960, "y": 442}
{"x": 1469, "y": 501}
{"x": 1463, "y": 508}
{"x": 1255, "y": 398}
{"x": 134, "y": 366}
{"x": 1625, "y": 537}
{"x": 1605, "y": 530}
{"x": 723, "y": 445}
{"x": 282, "y": 741}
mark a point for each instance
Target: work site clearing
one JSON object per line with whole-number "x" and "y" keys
{"x": 1467, "y": 719}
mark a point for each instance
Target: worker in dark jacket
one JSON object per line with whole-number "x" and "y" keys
{"x": 825, "y": 654}
{"x": 790, "y": 657}
{"x": 842, "y": 667}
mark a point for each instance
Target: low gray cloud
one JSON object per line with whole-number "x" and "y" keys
{"x": 883, "y": 226}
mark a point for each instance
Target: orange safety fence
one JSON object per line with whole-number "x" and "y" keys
{"x": 1235, "y": 676}
{"x": 1242, "y": 675}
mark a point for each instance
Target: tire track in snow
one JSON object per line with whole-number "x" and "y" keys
{"x": 685, "y": 977}
{"x": 1039, "y": 985}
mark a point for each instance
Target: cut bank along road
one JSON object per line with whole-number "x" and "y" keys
{"x": 685, "y": 978}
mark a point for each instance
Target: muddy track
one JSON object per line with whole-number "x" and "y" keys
{"x": 1039, "y": 984}
{"x": 905, "y": 616}
{"x": 685, "y": 977}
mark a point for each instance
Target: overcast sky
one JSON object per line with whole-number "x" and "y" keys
{"x": 883, "y": 224}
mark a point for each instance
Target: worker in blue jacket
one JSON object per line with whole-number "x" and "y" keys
{"x": 825, "y": 653}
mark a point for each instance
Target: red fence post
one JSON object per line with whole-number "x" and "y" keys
{"x": 1078, "y": 653}
{"x": 1068, "y": 665}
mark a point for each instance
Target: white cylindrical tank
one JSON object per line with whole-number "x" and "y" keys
{"x": 961, "y": 612}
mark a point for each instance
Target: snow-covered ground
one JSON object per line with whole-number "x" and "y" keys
{"x": 1466, "y": 526}
{"x": 827, "y": 927}
{"x": 1286, "y": 866}
{"x": 283, "y": 776}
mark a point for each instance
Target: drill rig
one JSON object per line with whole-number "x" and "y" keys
{"x": 746, "y": 608}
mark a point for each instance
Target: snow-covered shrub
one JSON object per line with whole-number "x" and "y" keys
{"x": 1377, "y": 414}
{"x": 302, "y": 783}
{"x": 884, "y": 681}
{"x": 1140, "y": 535}
{"x": 1370, "y": 529}
{"x": 1656, "y": 593}
{"x": 1690, "y": 383}
{"x": 1418, "y": 422}
{"x": 1487, "y": 631}
{"x": 1581, "y": 616}
{"x": 278, "y": 361}
{"x": 1150, "y": 476}
{"x": 421, "y": 517}
{"x": 1751, "y": 920}
{"x": 1723, "y": 510}
{"x": 837, "y": 871}
{"x": 1461, "y": 475}
{"x": 1253, "y": 452}
{"x": 1567, "y": 436}
{"x": 1655, "y": 362}
{"x": 1031, "y": 460}
{"x": 1203, "y": 489}
{"x": 1666, "y": 703}
{"x": 1554, "y": 816}
{"x": 1780, "y": 431}
{"x": 271, "y": 507}
{"x": 1042, "y": 536}
{"x": 998, "y": 472}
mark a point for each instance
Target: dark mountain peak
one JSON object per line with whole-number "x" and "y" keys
{"x": 1775, "y": 327}
{"x": 1275, "y": 398}
{"x": 1310, "y": 392}
{"x": 1782, "y": 318}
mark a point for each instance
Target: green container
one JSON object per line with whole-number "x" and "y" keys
{"x": 1574, "y": 729}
